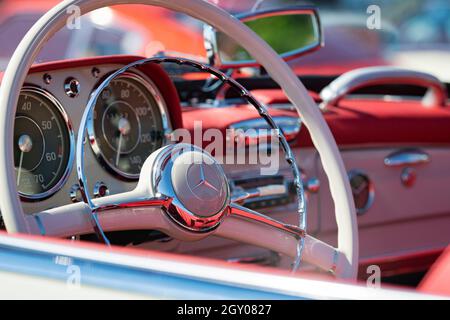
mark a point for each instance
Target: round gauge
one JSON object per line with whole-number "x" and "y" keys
{"x": 43, "y": 144}
{"x": 129, "y": 123}
{"x": 362, "y": 190}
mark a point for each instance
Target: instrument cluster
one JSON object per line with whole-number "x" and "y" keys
{"x": 129, "y": 122}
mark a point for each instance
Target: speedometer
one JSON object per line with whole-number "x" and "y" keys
{"x": 43, "y": 144}
{"x": 129, "y": 122}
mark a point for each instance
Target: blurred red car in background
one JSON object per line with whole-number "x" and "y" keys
{"x": 126, "y": 29}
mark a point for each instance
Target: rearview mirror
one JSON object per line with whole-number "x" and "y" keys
{"x": 291, "y": 32}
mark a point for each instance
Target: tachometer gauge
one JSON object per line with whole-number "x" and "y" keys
{"x": 129, "y": 123}
{"x": 43, "y": 144}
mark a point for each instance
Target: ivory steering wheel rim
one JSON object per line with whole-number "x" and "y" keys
{"x": 324, "y": 142}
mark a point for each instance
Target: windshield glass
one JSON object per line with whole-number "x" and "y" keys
{"x": 413, "y": 33}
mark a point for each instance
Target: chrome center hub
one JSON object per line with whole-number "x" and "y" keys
{"x": 199, "y": 183}
{"x": 196, "y": 184}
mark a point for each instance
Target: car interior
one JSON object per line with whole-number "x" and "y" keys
{"x": 99, "y": 144}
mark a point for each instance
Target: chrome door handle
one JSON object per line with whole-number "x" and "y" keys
{"x": 370, "y": 76}
{"x": 407, "y": 157}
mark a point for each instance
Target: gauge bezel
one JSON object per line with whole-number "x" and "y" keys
{"x": 67, "y": 125}
{"x": 153, "y": 89}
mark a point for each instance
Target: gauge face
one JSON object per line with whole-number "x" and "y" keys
{"x": 43, "y": 144}
{"x": 128, "y": 124}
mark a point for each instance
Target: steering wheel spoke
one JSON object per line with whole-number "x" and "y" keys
{"x": 126, "y": 211}
{"x": 251, "y": 227}
{"x": 241, "y": 212}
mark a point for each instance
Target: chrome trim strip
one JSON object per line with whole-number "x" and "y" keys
{"x": 407, "y": 157}
{"x": 163, "y": 202}
{"x": 162, "y": 275}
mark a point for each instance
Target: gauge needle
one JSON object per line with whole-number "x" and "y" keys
{"x": 124, "y": 129}
{"x": 25, "y": 145}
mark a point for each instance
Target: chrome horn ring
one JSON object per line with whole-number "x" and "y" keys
{"x": 180, "y": 213}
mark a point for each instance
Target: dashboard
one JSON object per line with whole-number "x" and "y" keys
{"x": 132, "y": 117}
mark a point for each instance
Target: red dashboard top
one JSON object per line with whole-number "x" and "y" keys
{"x": 153, "y": 71}
{"x": 353, "y": 123}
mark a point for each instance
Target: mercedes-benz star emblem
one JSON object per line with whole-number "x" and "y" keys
{"x": 203, "y": 181}
{"x": 200, "y": 183}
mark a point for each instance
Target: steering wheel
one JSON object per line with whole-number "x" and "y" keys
{"x": 166, "y": 198}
